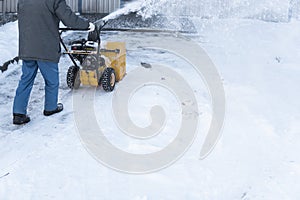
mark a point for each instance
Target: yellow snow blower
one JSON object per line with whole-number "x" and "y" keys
{"x": 100, "y": 64}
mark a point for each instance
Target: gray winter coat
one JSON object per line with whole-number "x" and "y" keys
{"x": 38, "y": 28}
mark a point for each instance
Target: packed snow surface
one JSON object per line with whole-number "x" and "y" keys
{"x": 256, "y": 157}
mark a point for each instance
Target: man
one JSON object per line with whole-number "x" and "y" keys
{"x": 39, "y": 48}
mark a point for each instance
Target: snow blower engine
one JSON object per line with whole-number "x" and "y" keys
{"x": 98, "y": 66}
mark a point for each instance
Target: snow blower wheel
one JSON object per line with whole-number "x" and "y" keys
{"x": 73, "y": 80}
{"x": 108, "y": 79}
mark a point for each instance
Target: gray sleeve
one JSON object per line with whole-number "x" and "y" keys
{"x": 68, "y": 17}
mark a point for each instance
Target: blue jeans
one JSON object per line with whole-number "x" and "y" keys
{"x": 49, "y": 71}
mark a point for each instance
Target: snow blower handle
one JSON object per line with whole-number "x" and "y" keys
{"x": 93, "y": 35}
{"x": 99, "y": 25}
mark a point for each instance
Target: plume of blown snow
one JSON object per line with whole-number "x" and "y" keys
{"x": 275, "y": 10}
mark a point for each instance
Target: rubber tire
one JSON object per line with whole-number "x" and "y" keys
{"x": 106, "y": 79}
{"x": 73, "y": 80}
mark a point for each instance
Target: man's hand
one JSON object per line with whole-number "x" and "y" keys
{"x": 91, "y": 27}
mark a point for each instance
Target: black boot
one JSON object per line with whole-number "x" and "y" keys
{"x": 59, "y": 108}
{"x": 20, "y": 119}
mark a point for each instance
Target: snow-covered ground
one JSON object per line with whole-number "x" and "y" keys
{"x": 256, "y": 157}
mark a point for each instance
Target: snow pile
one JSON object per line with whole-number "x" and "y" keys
{"x": 294, "y": 11}
{"x": 9, "y": 40}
